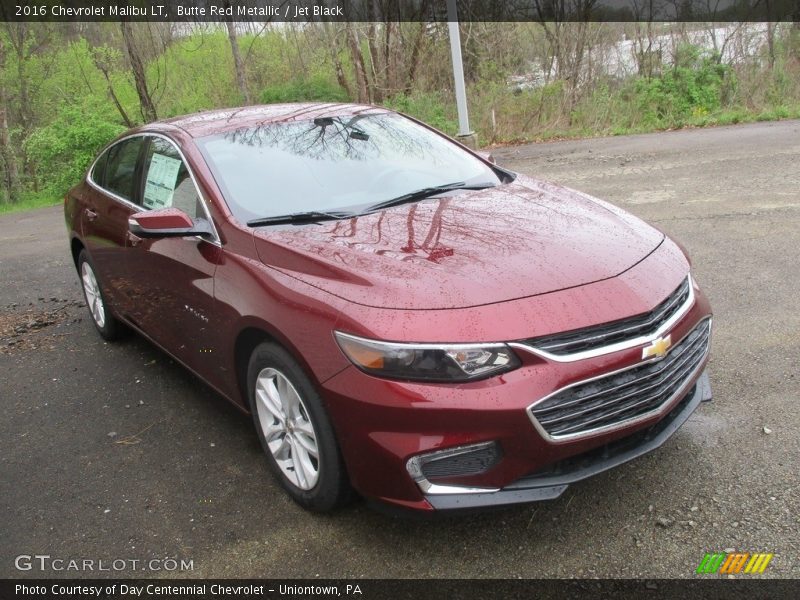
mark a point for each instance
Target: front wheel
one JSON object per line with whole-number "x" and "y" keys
{"x": 107, "y": 325}
{"x": 294, "y": 430}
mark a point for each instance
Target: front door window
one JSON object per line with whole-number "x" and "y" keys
{"x": 167, "y": 183}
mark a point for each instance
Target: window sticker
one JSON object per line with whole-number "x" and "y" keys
{"x": 162, "y": 176}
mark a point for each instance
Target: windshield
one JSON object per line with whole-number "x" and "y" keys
{"x": 329, "y": 164}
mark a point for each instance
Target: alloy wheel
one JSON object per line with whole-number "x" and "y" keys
{"x": 287, "y": 428}
{"x": 93, "y": 297}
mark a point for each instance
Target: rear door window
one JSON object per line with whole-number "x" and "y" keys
{"x": 120, "y": 171}
{"x": 99, "y": 170}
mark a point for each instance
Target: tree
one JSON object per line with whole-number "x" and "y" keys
{"x": 7, "y": 155}
{"x": 385, "y": 56}
{"x": 333, "y": 46}
{"x": 648, "y": 58}
{"x": 238, "y": 63}
{"x": 146, "y": 104}
{"x": 566, "y": 26}
{"x": 25, "y": 43}
{"x": 103, "y": 58}
{"x": 794, "y": 34}
{"x": 358, "y": 63}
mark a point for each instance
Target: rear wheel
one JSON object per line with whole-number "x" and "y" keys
{"x": 105, "y": 322}
{"x": 294, "y": 430}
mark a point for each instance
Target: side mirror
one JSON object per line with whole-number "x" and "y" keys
{"x": 167, "y": 222}
{"x": 487, "y": 156}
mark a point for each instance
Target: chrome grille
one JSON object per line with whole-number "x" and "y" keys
{"x": 590, "y": 338}
{"x": 614, "y": 399}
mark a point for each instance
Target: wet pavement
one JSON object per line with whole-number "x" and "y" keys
{"x": 113, "y": 451}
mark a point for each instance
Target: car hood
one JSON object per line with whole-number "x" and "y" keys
{"x": 470, "y": 248}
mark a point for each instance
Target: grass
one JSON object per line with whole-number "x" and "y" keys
{"x": 29, "y": 203}
{"x": 719, "y": 119}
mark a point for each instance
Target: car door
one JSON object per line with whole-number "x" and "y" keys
{"x": 107, "y": 202}
{"x": 173, "y": 278}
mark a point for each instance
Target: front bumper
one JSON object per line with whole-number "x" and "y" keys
{"x": 554, "y": 481}
{"x": 382, "y": 424}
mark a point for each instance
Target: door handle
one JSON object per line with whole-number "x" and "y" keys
{"x": 135, "y": 240}
{"x": 91, "y": 214}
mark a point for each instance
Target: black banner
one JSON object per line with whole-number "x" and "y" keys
{"x": 714, "y": 588}
{"x": 399, "y": 10}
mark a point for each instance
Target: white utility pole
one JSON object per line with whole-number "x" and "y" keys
{"x": 465, "y": 134}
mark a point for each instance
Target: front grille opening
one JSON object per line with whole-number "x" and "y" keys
{"x": 626, "y": 395}
{"x": 470, "y": 462}
{"x": 602, "y": 454}
{"x": 590, "y": 338}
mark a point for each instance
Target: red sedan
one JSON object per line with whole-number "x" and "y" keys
{"x": 401, "y": 317}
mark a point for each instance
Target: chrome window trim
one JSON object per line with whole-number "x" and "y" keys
{"x": 618, "y": 346}
{"x": 90, "y": 180}
{"x": 660, "y": 411}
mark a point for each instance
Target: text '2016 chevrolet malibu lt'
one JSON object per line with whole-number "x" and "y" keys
{"x": 401, "y": 317}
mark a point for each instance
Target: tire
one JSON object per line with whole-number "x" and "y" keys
{"x": 277, "y": 386}
{"x": 100, "y": 311}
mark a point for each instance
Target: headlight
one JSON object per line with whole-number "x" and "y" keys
{"x": 427, "y": 362}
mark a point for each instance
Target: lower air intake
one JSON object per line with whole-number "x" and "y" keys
{"x": 468, "y": 461}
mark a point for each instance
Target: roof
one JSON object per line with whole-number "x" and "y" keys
{"x": 212, "y": 122}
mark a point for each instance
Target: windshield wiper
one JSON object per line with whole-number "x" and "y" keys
{"x": 312, "y": 216}
{"x": 426, "y": 192}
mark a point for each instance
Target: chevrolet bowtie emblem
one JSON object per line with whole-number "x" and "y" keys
{"x": 658, "y": 349}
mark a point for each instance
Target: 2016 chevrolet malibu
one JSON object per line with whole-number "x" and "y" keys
{"x": 400, "y": 316}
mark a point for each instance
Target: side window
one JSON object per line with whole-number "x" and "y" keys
{"x": 121, "y": 167}
{"x": 99, "y": 171}
{"x": 167, "y": 182}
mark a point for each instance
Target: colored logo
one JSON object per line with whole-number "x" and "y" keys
{"x": 658, "y": 349}
{"x": 734, "y": 562}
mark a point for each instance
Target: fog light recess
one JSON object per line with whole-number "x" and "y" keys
{"x": 461, "y": 461}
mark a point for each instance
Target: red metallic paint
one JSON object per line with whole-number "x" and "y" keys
{"x": 164, "y": 218}
{"x": 389, "y": 421}
{"x": 473, "y": 248}
{"x": 102, "y": 227}
{"x": 528, "y": 259}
